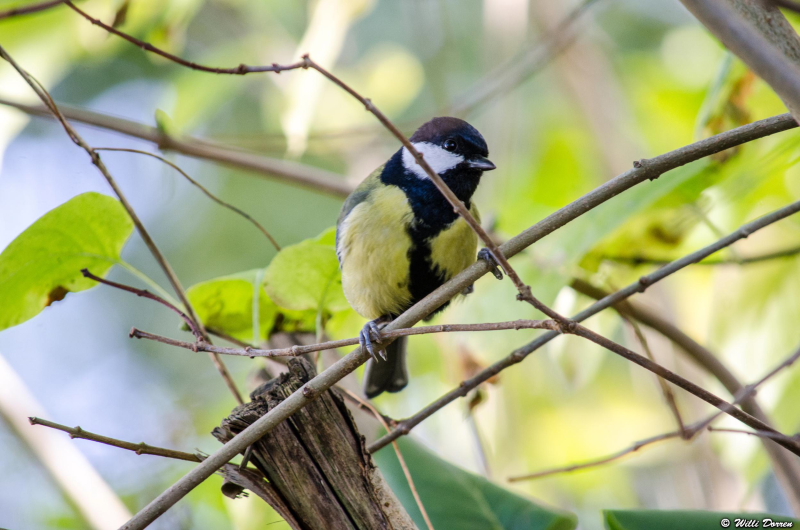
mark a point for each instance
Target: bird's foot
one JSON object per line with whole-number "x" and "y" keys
{"x": 486, "y": 255}
{"x": 371, "y": 334}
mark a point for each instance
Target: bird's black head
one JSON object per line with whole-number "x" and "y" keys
{"x": 455, "y": 150}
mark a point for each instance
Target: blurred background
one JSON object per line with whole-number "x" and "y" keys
{"x": 563, "y": 106}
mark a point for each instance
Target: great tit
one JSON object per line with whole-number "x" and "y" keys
{"x": 398, "y": 238}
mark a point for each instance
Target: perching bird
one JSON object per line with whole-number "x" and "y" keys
{"x": 398, "y": 238}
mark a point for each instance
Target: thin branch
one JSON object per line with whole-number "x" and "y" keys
{"x": 687, "y": 433}
{"x": 749, "y": 390}
{"x": 201, "y": 188}
{"x": 140, "y": 448}
{"x": 28, "y": 9}
{"x": 291, "y": 172}
{"x": 644, "y": 260}
{"x": 598, "y": 461}
{"x": 44, "y": 95}
{"x": 525, "y": 292}
{"x": 299, "y": 349}
{"x": 702, "y": 393}
{"x": 406, "y": 425}
{"x": 760, "y": 434}
{"x": 643, "y": 170}
{"x": 238, "y": 70}
{"x": 785, "y": 465}
{"x": 144, "y": 293}
{"x": 406, "y": 471}
{"x": 525, "y": 64}
{"x": 669, "y": 396}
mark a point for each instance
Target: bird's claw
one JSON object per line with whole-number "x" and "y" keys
{"x": 486, "y": 255}
{"x": 370, "y": 334}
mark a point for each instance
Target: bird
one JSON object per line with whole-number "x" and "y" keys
{"x": 398, "y": 238}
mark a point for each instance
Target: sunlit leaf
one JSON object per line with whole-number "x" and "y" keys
{"x": 236, "y": 305}
{"x": 44, "y": 263}
{"x": 458, "y": 500}
{"x": 306, "y": 276}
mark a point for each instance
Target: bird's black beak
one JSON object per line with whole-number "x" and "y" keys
{"x": 480, "y": 162}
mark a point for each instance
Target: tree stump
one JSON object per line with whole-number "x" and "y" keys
{"x": 319, "y": 474}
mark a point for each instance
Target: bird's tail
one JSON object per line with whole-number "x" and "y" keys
{"x": 390, "y": 375}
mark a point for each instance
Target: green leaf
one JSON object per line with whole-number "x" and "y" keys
{"x": 458, "y": 500}
{"x": 228, "y": 304}
{"x": 306, "y": 276}
{"x": 683, "y": 519}
{"x": 44, "y": 262}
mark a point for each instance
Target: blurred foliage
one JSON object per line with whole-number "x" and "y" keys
{"x": 665, "y": 83}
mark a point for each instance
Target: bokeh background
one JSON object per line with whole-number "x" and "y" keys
{"x": 634, "y": 79}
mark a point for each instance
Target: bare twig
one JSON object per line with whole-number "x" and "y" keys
{"x": 31, "y": 8}
{"x": 636, "y": 446}
{"x": 760, "y": 434}
{"x": 144, "y": 293}
{"x": 299, "y": 349}
{"x": 525, "y": 292}
{"x": 201, "y": 188}
{"x": 644, "y": 260}
{"x": 406, "y": 471}
{"x": 785, "y": 465}
{"x": 747, "y": 391}
{"x": 238, "y": 70}
{"x": 687, "y": 433}
{"x": 644, "y": 170}
{"x": 702, "y": 393}
{"x": 140, "y": 448}
{"x": 145, "y": 235}
{"x": 669, "y": 396}
{"x": 406, "y": 425}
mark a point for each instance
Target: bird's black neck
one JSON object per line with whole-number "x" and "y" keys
{"x": 429, "y": 205}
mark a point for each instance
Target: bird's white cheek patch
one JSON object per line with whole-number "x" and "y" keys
{"x": 439, "y": 159}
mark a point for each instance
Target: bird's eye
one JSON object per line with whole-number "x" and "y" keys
{"x": 450, "y": 145}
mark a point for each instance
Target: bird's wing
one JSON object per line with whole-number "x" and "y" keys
{"x": 361, "y": 193}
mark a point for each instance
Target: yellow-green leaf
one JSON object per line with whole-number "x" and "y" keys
{"x": 306, "y": 276}
{"x": 44, "y": 262}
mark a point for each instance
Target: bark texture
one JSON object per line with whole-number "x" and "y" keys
{"x": 319, "y": 474}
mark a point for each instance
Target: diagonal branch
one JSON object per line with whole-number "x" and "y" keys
{"x": 238, "y": 70}
{"x": 645, "y": 170}
{"x": 29, "y": 9}
{"x": 140, "y": 448}
{"x": 785, "y": 466}
{"x": 145, "y": 235}
{"x": 745, "y": 394}
{"x": 525, "y": 292}
{"x": 144, "y": 293}
{"x": 406, "y": 425}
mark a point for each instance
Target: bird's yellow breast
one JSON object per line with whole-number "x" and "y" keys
{"x": 373, "y": 249}
{"x": 455, "y": 248}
